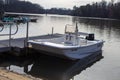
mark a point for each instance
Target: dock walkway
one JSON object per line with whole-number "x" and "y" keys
{"x": 20, "y": 42}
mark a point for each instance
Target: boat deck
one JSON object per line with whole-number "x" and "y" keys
{"x": 61, "y": 42}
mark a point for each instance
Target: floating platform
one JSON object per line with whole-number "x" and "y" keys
{"x": 18, "y": 44}
{"x": 4, "y": 48}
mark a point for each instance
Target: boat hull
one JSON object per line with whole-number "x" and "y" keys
{"x": 82, "y": 52}
{"x": 70, "y": 53}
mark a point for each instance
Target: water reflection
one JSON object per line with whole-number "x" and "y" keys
{"x": 109, "y": 31}
{"x": 47, "y": 67}
{"x": 103, "y": 29}
{"x": 98, "y": 22}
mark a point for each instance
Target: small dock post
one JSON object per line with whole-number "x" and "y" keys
{"x": 52, "y": 30}
{"x": 27, "y": 38}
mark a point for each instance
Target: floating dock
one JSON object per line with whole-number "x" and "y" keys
{"x": 4, "y": 48}
{"x": 18, "y": 44}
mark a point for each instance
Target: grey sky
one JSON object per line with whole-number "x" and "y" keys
{"x": 62, "y": 3}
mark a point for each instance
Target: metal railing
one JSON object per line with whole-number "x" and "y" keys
{"x": 10, "y": 30}
{"x": 2, "y": 27}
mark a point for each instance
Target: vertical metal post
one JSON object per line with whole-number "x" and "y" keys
{"x": 65, "y": 28}
{"x": 76, "y": 33}
{"x": 10, "y": 36}
{"x": 27, "y": 36}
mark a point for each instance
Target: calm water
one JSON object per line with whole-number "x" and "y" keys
{"x": 107, "y": 68}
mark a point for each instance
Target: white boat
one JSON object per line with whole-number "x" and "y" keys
{"x": 72, "y": 45}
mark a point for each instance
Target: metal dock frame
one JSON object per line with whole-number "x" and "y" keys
{"x": 7, "y": 47}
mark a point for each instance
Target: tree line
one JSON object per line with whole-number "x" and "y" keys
{"x": 101, "y": 9}
{"x": 20, "y": 6}
{"x": 61, "y": 11}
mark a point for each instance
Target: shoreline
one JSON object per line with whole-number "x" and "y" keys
{"x": 9, "y": 75}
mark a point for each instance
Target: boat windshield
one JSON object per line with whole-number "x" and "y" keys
{"x": 69, "y": 29}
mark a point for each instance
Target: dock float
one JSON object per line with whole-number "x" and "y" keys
{"x": 4, "y": 48}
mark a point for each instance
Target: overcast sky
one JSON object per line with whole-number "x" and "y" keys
{"x": 62, "y": 3}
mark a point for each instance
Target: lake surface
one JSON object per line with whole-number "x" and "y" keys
{"x": 107, "y": 68}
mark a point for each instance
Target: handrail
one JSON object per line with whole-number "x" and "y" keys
{"x": 11, "y": 33}
{"x": 1, "y": 28}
